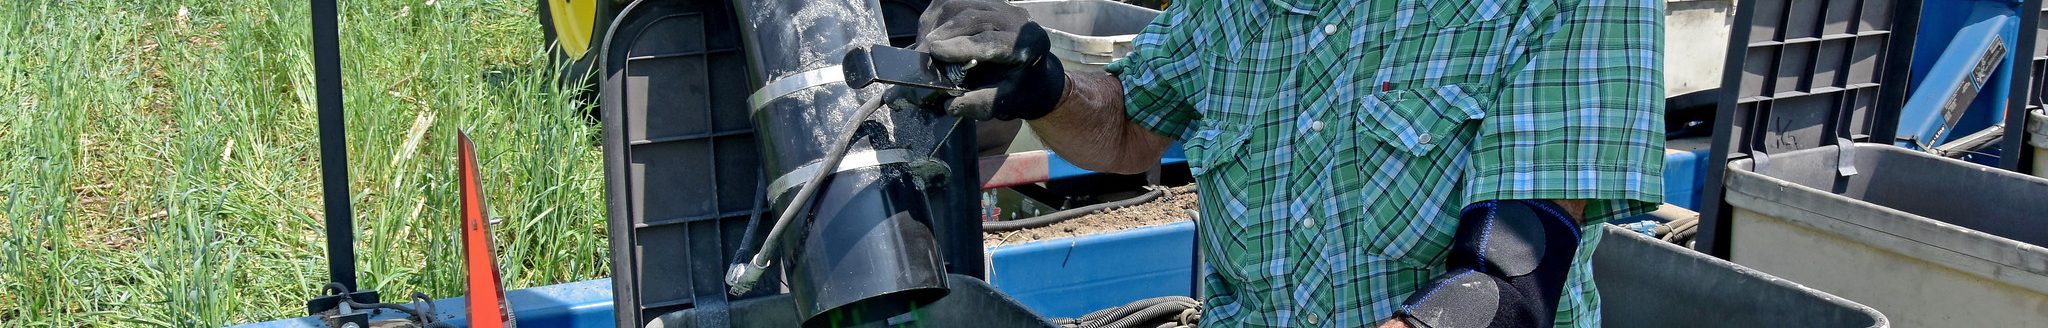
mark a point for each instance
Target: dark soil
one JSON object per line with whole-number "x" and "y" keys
{"x": 1178, "y": 204}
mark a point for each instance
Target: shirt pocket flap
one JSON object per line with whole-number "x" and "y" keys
{"x": 1416, "y": 120}
{"x": 1461, "y": 13}
{"x": 1214, "y": 146}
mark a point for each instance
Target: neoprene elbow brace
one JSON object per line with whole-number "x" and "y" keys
{"x": 1506, "y": 268}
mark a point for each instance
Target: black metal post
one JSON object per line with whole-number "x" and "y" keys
{"x": 341, "y": 236}
{"x": 1898, "y": 58}
{"x": 1711, "y": 239}
{"x": 2012, "y": 150}
{"x": 341, "y": 250}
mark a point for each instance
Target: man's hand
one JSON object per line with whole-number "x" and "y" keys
{"x": 1014, "y": 76}
{"x": 1009, "y": 67}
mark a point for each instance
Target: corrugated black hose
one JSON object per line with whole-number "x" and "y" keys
{"x": 1164, "y": 311}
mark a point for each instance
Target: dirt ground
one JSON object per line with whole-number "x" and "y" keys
{"x": 1178, "y": 204}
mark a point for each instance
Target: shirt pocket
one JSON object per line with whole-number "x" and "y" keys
{"x": 1416, "y": 120}
{"x": 1401, "y": 139}
{"x": 1461, "y": 13}
{"x": 1214, "y": 146}
{"x": 1216, "y": 155}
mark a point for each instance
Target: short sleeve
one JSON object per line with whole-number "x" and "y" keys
{"x": 1581, "y": 115}
{"x": 1162, "y": 75}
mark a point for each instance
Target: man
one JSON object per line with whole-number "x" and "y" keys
{"x": 1389, "y": 163}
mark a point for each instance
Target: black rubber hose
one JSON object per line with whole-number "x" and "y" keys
{"x": 423, "y": 313}
{"x": 388, "y": 306}
{"x": 1678, "y": 231}
{"x": 1057, "y": 217}
{"x": 1683, "y": 231}
{"x": 746, "y": 274}
{"x": 826, "y": 167}
{"x": 426, "y": 307}
{"x": 747, "y": 241}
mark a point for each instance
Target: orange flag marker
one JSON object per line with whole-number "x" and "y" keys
{"x": 486, "y": 297}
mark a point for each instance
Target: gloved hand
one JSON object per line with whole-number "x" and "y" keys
{"x": 1010, "y": 71}
{"x": 1507, "y": 267}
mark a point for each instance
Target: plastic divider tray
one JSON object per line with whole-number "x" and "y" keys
{"x": 1809, "y": 61}
{"x": 1930, "y": 241}
{"x": 1805, "y": 74}
{"x": 680, "y": 158}
{"x": 1645, "y": 282}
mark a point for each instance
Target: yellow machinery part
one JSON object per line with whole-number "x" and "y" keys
{"x": 573, "y": 20}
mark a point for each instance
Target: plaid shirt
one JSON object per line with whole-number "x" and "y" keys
{"x": 1335, "y": 141}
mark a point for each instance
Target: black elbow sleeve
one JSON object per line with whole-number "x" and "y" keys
{"x": 1506, "y": 268}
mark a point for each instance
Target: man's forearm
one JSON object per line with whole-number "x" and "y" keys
{"x": 1089, "y": 129}
{"x": 1576, "y": 208}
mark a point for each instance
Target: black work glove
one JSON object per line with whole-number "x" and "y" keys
{"x": 1010, "y": 71}
{"x": 1508, "y": 265}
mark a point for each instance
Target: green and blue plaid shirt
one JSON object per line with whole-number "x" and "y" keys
{"x": 1335, "y": 141}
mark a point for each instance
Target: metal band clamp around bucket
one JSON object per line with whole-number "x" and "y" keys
{"x": 853, "y": 161}
{"x": 793, "y": 83}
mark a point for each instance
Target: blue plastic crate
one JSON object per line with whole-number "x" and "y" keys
{"x": 1068, "y": 277}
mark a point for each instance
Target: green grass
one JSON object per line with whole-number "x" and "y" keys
{"x": 159, "y": 166}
